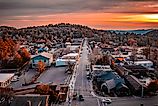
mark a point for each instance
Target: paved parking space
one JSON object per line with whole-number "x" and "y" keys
{"x": 53, "y": 74}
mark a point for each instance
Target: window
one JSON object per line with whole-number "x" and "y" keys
{"x": 145, "y": 64}
{"x": 33, "y": 61}
{"x": 44, "y": 60}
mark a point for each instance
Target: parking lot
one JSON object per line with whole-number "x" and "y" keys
{"x": 51, "y": 75}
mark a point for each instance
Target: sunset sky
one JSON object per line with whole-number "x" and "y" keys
{"x": 100, "y": 14}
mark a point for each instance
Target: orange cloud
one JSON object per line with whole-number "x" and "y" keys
{"x": 94, "y": 20}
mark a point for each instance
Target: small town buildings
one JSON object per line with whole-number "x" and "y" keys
{"x": 45, "y": 57}
{"x": 5, "y": 79}
{"x": 30, "y": 100}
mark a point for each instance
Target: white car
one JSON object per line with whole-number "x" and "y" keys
{"x": 108, "y": 101}
{"x": 15, "y": 78}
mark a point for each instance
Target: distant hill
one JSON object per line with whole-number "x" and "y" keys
{"x": 140, "y": 32}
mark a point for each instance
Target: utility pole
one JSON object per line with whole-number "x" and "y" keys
{"x": 142, "y": 93}
{"x": 24, "y": 78}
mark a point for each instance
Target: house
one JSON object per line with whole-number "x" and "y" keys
{"x": 112, "y": 81}
{"x": 5, "y": 79}
{"x": 119, "y": 60}
{"x": 145, "y": 63}
{"x": 30, "y": 100}
{"x": 134, "y": 84}
{"x": 73, "y": 47}
{"x": 68, "y": 44}
{"x": 68, "y": 58}
{"x": 107, "y": 50}
{"x": 45, "y": 57}
{"x": 145, "y": 81}
{"x": 136, "y": 70}
{"x": 99, "y": 69}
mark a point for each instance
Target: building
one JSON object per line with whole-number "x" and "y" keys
{"x": 68, "y": 58}
{"x": 68, "y": 44}
{"x": 143, "y": 62}
{"x": 134, "y": 84}
{"x": 113, "y": 82}
{"x": 64, "y": 62}
{"x": 145, "y": 81}
{"x": 107, "y": 50}
{"x": 136, "y": 70}
{"x": 30, "y": 100}
{"x": 5, "y": 79}
{"x": 74, "y": 56}
{"x": 99, "y": 69}
{"x": 45, "y": 57}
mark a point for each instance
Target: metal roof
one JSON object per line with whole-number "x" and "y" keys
{"x": 5, "y": 76}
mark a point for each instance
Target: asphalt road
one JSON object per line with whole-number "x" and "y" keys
{"x": 82, "y": 85}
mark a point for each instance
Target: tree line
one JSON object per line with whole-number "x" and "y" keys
{"x": 11, "y": 55}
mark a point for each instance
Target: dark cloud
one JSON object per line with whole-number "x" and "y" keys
{"x": 11, "y": 8}
{"x": 20, "y": 7}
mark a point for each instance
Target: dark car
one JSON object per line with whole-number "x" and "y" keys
{"x": 74, "y": 95}
{"x": 81, "y": 98}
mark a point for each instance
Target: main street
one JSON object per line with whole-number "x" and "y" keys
{"x": 82, "y": 85}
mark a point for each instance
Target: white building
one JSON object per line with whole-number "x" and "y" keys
{"x": 5, "y": 79}
{"x": 145, "y": 63}
{"x": 74, "y": 56}
{"x": 64, "y": 62}
{"x": 145, "y": 81}
{"x": 100, "y": 69}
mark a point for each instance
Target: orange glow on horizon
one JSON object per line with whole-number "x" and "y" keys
{"x": 94, "y": 20}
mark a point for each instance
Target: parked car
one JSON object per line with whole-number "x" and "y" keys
{"x": 108, "y": 101}
{"x": 87, "y": 67}
{"x": 89, "y": 76}
{"x": 74, "y": 96}
{"x": 2, "y": 100}
{"x": 15, "y": 78}
{"x": 81, "y": 98}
